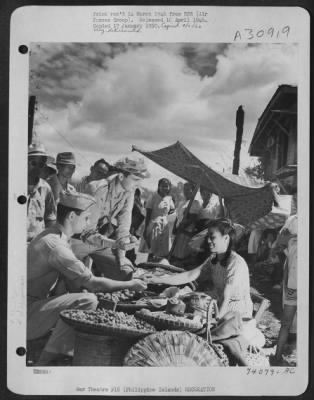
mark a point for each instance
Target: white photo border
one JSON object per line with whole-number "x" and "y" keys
{"x": 223, "y": 24}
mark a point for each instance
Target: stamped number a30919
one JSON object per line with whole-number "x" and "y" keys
{"x": 257, "y": 34}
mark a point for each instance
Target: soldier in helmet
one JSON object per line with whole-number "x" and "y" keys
{"x": 41, "y": 208}
{"x": 112, "y": 215}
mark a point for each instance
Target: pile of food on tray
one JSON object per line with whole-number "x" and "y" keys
{"x": 108, "y": 318}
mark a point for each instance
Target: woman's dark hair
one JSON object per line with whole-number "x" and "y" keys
{"x": 225, "y": 227}
{"x": 137, "y": 192}
{"x": 101, "y": 161}
{"x": 166, "y": 181}
{"x": 191, "y": 184}
{"x": 64, "y": 211}
{"x": 203, "y": 188}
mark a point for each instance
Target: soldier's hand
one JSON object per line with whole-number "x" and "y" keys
{"x": 133, "y": 239}
{"x": 138, "y": 285}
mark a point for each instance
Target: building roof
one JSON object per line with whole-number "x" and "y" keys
{"x": 283, "y": 105}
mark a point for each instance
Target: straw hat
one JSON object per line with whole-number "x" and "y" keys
{"x": 51, "y": 163}
{"x": 67, "y": 158}
{"x": 37, "y": 149}
{"x": 135, "y": 167}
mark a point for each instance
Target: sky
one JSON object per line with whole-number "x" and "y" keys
{"x": 99, "y": 99}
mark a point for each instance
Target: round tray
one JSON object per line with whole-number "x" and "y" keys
{"x": 103, "y": 329}
{"x": 172, "y": 349}
{"x": 162, "y": 320}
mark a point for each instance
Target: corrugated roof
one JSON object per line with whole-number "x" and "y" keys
{"x": 283, "y": 101}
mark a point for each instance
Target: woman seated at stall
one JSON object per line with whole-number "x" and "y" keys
{"x": 224, "y": 275}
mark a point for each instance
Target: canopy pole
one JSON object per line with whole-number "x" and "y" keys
{"x": 186, "y": 213}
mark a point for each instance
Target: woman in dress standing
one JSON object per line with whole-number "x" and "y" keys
{"x": 157, "y": 233}
{"x": 185, "y": 226}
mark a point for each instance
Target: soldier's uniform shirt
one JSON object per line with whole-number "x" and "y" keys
{"x": 41, "y": 208}
{"x": 82, "y": 184}
{"x": 114, "y": 205}
{"x": 49, "y": 257}
{"x": 56, "y": 187}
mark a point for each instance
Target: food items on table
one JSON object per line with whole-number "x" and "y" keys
{"x": 108, "y": 318}
{"x": 127, "y": 296}
{"x": 118, "y": 296}
{"x": 175, "y": 306}
{"x": 163, "y": 320}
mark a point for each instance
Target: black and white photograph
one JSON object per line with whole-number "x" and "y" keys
{"x": 162, "y": 199}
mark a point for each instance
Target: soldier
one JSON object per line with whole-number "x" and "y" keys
{"x": 66, "y": 166}
{"x": 49, "y": 259}
{"x": 41, "y": 208}
{"x": 112, "y": 215}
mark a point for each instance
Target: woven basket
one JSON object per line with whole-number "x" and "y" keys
{"x": 162, "y": 320}
{"x": 103, "y": 329}
{"x": 197, "y": 303}
{"x": 95, "y": 350}
{"x": 172, "y": 349}
{"x": 256, "y": 360}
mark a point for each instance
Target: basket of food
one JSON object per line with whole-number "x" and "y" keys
{"x": 172, "y": 349}
{"x": 256, "y": 359}
{"x": 197, "y": 303}
{"x": 166, "y": 321}
{"x": 107, "y": 322}
{"x": 130, "y": 301}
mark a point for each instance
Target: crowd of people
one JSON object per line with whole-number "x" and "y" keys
{"x": 84, "y": 237}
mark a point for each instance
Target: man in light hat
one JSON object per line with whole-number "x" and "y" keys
{"x": 49, "y": 259}
{"x": 49, "y": 168}
{"x": 66, "y": 166}
{"x": 112, "y": 215}
{"x": 41, "y": 208}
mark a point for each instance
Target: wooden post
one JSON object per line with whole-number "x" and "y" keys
{"x": 238, "y": 142}
{"x": 31, "y": 112}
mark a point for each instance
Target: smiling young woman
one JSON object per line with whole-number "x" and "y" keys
{"x": 224, "y": 275}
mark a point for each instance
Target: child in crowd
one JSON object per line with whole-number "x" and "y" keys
{"x": 288, "y": 243}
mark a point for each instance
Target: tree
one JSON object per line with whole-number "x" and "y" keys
{"x": 257, "y": 171}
